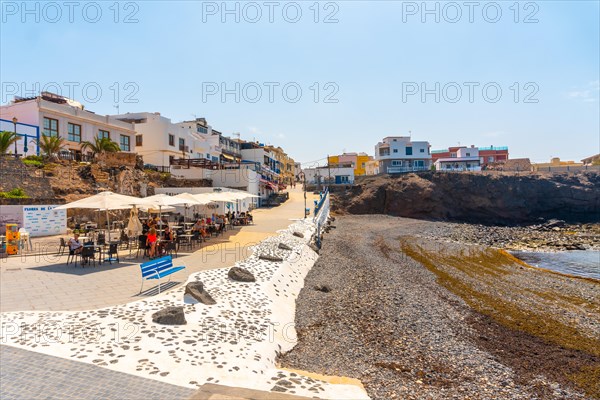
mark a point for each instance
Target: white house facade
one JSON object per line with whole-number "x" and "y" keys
{"x": 329, "y": 176}
{"x": 157, "y": 139}
{"x": 396, "y": 154}
{"x": 59, "y": 116}
{"x": 466, "y": 159}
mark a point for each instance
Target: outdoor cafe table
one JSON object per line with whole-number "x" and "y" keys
{"x": 188, "y": 237}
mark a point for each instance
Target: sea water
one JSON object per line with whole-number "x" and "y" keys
{"x": 578, "y": 262}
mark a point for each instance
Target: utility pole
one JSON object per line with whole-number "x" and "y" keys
{"x": 328, "y": 171}
{"x": 304, "y": 184}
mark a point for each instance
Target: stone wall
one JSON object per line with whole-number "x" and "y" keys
{"x": 118, "y": 159}
{"x": 14, "y": 174}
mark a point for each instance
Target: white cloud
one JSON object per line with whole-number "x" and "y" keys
{"x": 588, "y": 94}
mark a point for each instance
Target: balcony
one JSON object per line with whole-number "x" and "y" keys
{"x": 404, "y": 170}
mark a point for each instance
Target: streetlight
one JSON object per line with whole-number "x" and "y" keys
{"x": 15, "y": 120}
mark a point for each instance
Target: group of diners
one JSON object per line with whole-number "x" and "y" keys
{"x": 159, "y": 236}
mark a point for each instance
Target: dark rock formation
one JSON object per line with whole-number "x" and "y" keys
{"x": 298, "y": 234}
{"x": 170, "y": 316}
{"x": 269, "y": 257}
{"x": 283, "y": 246}
{"x": 196, "y": 290}
{"x": 241, "y": 275}
{"x": 476, "y": 197}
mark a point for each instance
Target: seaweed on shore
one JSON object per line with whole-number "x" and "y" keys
{"x": 476, "y": 277}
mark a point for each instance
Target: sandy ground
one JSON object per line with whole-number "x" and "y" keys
{"x": 413, "y": 317}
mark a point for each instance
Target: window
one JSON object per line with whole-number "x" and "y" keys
{"x": 422, "y": 150}
{"x": 124, "y": 142}
{"x": 171, "y": 140}
{"x": 181, "y": 144}
{"x": 419, "y": 163}
{"x": 202, "y": 129}
{"x": 74, "y": 132}
{"x": 491, "y": 159}
{"x": 171, "y": 159}
{"x": 208, "y": 156}
{"x": 395, "y": 150}
{"x": 103, "y": 134}
{"x": 396, "y": 163}
{"x": 409, "y": 151}
{"x": 139, "y": 140}
{"x": 468, "y": 154}
{"x": 50, "y": 127}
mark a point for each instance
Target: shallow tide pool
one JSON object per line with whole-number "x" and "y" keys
{"x": 580, "y": 263}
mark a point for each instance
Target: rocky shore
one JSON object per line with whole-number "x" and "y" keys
{"x": 552, "y": 235}
{"x": 414, "y": 315}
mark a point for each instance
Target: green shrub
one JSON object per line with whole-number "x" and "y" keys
{"x": 33, "y": 163}
{"x": 16, "y": 193}
{"x": 35, "y": 158}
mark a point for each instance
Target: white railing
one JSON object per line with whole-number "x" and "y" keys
{"x": 459, "y": 169}
{"x": 321, "y": 214}
{"x": 401, "y": 170}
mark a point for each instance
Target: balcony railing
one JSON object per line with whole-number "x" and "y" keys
{"x": 402, "y": 170}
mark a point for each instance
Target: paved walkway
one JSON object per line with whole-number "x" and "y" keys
{"x": 47, "y": 283}
{"x": 28, "y": 375}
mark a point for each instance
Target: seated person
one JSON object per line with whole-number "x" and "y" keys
{"x": 151, "y": 242}
{"x": 168, "y": 233}
{"x": 74, "y": 245}
{"x": 199, "y": 229}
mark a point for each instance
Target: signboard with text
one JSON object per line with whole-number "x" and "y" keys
{"x": 44, "y": 220}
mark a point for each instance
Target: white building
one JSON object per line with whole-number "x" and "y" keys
{"x": 205, "y": 143}
{"x": 59, "y": 116}
{"x": 158, "y": 140}
{"x": 397, "y": 154}
{"x": 244, "y": 176}
{"x": 332, "y": 175}
{"x": 466, "y": 159}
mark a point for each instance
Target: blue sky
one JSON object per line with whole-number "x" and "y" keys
{"x": 375, "y": 61}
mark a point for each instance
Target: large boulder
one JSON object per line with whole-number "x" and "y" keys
{"x": 196, "y": 290}
{"x": 240, "y": 275}
{"x": 298, "y": 234}
{"x": 170, "y": 316}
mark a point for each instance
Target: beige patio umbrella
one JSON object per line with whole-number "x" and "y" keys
{"x": 104, "y": 201}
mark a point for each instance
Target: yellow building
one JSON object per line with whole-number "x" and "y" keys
{"x": 287, "y": 166}
{"x": 358, "y": 161}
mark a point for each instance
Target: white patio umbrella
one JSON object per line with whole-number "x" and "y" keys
{"x": 161, "y": 200}
{"x": 104, "y": 201}
{"x": 134, "y": 227}
{"x": 191, "y": 200}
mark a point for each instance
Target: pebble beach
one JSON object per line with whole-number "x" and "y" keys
{"x": 416, "y": 317}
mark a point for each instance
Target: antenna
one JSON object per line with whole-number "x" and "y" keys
{"x": 117, "y": 107}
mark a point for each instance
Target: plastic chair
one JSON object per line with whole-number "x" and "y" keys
{"x": 62, "y": 247}
{"x": 142, "y": 246}
{"x": 72, "y": 257}
{"x": 112, "y": 253}
{"x": 87, "y": 254}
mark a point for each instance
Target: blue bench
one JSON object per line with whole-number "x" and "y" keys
{"x": 157, "y": 269}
